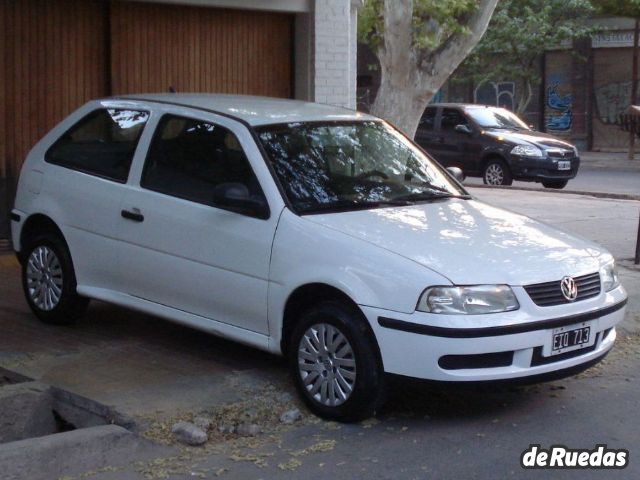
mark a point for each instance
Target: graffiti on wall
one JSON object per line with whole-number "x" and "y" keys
{"x": 500, "y": 94}
{"x": 561, "y": 116}
{"x": 611, "y": 100}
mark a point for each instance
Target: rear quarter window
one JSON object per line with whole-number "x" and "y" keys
{"x": 102, "y": 143}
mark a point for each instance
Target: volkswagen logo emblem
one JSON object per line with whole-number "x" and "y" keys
{"x": 569, "y": 288}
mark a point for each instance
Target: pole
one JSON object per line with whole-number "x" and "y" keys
{"x": 637, "y": 259}
{"x": 634, "y": 85}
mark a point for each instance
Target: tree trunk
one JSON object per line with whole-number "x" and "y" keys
{"x": 401, "y": 105}
{"x": 411, "y": 77}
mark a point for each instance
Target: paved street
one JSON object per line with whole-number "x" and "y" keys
{"x": 590, "y": 180}
{"x": 156, "y": 372}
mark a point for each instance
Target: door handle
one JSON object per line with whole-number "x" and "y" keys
{"x": 136, "y": 216}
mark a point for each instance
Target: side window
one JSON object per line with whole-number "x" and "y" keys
{"x": 428, "y": 120}
{"x": 452, "y": 117}
{"x": 102, "y": 143}
{"x": 188, "y": 158}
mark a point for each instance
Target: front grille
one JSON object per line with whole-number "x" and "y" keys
{"x": 564, "y": 154}
{"x": 560, "y": 173}
{"x": 482, "y": 360}
{"x": 549, "y": 293}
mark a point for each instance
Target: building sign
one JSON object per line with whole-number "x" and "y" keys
{"x": 613, "y": 39}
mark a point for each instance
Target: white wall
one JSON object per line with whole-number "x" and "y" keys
{"x": 333, "y": 60}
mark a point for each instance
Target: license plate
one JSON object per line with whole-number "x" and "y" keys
{"x": 569, "y": 338}
{"x": 564, "y": 165}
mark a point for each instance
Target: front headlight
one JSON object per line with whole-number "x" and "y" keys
{"x": 526, "y": 151}
{"x": 609, "y": 276}
{"x": 472, "y": 300}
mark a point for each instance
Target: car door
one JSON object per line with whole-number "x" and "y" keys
{"x": 455, "y": 145}
{"x": 86, "y": 169}
{"x": 182, "y": 249}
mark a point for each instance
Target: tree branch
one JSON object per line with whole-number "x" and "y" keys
{"x": 456, "y": 48}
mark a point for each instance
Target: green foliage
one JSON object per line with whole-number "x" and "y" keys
{"x": 622, "y": 8}
{"x": 434, "y": 21}
{"x": 519, "y": 33}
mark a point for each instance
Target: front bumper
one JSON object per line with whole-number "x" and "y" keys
{"x": 526, "y": 168}
{"x": 413, "y": 345}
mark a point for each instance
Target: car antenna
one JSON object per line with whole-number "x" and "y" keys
{"x": 172, "y": 90}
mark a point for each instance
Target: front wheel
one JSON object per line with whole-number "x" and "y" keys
{"x": 49, "y": 282}
{"x": 496, "y": 172}
{"x": 335, "y": 363}
{"x": 557, "y": 184}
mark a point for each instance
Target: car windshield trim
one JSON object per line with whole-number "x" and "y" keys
{"x": 350, "y": 205}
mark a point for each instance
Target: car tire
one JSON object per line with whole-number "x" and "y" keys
{"x": 49, "y": 282}
{"x": 557, "y": 184}
{"x": 335, "y": 362}
{"x": 496, "y": 172}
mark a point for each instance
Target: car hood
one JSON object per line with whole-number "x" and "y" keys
{"x": 529, "y": 138}
{"x": 470, "y": 242}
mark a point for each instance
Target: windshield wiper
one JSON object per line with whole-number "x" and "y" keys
{"x": 346, "y": 205}
{"x": 435, "y": 193}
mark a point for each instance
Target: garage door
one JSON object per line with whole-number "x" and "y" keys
{"x": 200, "y": 50}
{"x": 52, "y": 60}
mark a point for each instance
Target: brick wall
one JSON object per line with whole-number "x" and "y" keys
{"x": 334, "y": 53}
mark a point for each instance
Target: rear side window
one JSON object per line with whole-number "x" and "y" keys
{"x": 428, "y": 120}
{"x": 102, "y": 143}
{"x": 452, "y": 117}
{"x": 188, "y": 158}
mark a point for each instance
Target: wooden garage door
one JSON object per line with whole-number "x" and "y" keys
{"x": 52, "y": 60}
{"x": 198, "y": 49}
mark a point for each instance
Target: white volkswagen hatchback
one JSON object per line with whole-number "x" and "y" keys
{"x": 306, "y": 230}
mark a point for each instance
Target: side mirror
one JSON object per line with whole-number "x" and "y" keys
{"x": 456, "y": 173}
{"x": 462, "y": 128}
{"x": 237, "y": 198}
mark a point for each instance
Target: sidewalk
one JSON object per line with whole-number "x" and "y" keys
{"x": 616, "y": 161}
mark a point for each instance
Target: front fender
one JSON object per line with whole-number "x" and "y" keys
{"x": 305, "y": 252}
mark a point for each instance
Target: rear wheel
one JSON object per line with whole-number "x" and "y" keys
{"x": 49, "y": 282}
{"x": 335, "y": 363}
{"x": 496, "y": 172}
{"x": 558, "y": 184}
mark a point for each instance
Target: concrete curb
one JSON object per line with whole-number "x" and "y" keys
{"x": 614, "y": 196}
{"x": 56, "y": 455}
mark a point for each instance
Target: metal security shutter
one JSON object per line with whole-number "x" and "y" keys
{"x": 199, "y": 49}
{"x": 611, "y": 95}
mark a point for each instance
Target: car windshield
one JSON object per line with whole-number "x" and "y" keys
{"x": 492, "y": 117}
{"x": 341, "y": 166}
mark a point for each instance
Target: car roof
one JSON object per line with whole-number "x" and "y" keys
{"x": 252, "y": 109}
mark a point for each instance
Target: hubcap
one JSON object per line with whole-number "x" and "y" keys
{"x": 494, "y": 174}
{"x": 327, "y": 364}
{"x": 44, "y": 278}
